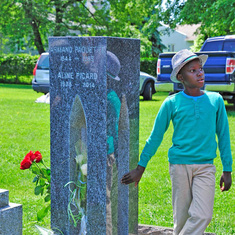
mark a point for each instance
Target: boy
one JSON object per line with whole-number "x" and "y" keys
{"x": 197, "y": 117}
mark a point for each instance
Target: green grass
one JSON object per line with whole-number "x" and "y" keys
{"x": 25, "y": 125}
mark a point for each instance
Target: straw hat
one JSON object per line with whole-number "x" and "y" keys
{"x": 181, "y": 58}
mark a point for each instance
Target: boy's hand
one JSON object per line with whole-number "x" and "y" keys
{"x": 133, "y": 176}
{"x": 225, "y": 181}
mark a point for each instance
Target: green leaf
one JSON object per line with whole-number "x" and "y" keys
{"x": 47, "y": 198}
{"x": 38, "y": 190}
{"x": 42, "y": 191}
{"x": 43, "y": 212}
{"x": 35, "y": 179}
{"x": 48, "y": 172}
{"x": 35, "y": 170}
{"x": 42, "y": 182}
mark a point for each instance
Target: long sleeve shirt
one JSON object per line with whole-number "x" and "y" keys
{"x": 196, "y": 122}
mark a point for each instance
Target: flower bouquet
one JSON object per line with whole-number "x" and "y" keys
{"x": 33, "y": 161}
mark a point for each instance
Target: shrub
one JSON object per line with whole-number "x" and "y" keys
{"x": 149, "y": 65}
{"x": 14, "y": 68}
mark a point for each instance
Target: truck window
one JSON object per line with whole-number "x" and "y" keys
{"x": 213, "y": 46}
{"x": 229, "y": 46}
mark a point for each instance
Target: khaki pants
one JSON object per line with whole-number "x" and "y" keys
{"x": 193, "y": 189}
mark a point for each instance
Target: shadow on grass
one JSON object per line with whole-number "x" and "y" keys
{"x": 153, "y": 100}
{"x": 159, "y": 96}
{"x": 16, "y": 86}
{"x": 230, "y": 109}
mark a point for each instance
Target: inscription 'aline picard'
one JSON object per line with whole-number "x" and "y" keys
{"x": 79, "y": 75}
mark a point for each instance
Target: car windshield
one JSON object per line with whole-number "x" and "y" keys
{"x": 43, "y": 62}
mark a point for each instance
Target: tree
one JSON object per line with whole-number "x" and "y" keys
{"x": 137, "y": 19}
{"x": 24, "y": 23}
{"x": 30, "y": 22}
{"x": 217, "y": 17}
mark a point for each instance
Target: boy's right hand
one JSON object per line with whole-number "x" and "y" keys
{"x": 133, "y": 176}
{"x": 225, "y": 181}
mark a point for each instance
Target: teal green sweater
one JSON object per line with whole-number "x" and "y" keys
{"x": 196, "y": 121}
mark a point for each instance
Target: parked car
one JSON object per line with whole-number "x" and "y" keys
{"x": 147, "y": 85}
{"x": 219, "y": 67}
{"x": 41, "y": 82}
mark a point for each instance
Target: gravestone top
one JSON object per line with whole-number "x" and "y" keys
{"x": 4, "y": 198}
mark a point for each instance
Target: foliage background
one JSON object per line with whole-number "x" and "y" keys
{"x": 217, "y": 17}
{"x": 26, "y": 24}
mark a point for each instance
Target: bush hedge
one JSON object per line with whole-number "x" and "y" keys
{"x": 17, "y": 68}
{"x": 149, "y": 65}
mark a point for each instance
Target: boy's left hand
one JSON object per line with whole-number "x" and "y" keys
{"x": 225, "y": 181}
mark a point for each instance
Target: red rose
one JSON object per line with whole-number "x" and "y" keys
{"x": 30, "y": 155}
{"x": 38, "y": 156}
{"x": 26, "y": 163}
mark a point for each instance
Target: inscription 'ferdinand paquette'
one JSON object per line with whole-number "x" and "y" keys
{"x": 76, "y": 49}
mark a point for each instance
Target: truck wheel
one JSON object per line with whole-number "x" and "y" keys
{"x": 232, "y": 101}
{"x": 148, "y": 91}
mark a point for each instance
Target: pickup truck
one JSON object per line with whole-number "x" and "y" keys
{"x": 219, "y": 68}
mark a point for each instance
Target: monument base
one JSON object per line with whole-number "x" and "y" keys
{"x": 156, "y": 230}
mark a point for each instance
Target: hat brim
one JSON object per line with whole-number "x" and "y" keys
{"x": 113, "y": 76}
{"x": 202, "y": 58}
{"x": 117, "y": 78}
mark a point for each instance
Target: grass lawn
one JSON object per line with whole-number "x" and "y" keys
{"x": 25, "y": 126}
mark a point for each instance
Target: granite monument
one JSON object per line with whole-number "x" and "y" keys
{"x": 94, "y": 102}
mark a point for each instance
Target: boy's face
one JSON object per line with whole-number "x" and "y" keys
{"x": 192, "y": 74}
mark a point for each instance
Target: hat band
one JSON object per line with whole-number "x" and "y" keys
{"x": 111, "y": 75}
{"x": 190, "y": 57}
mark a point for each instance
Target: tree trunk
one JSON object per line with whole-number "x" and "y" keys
{"x": 37, "y": 37}
{"x": 59, "y": 21}
{"x": 28, "y": 6}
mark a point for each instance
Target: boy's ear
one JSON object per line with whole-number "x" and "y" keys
{"x": 179, "y": 77}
